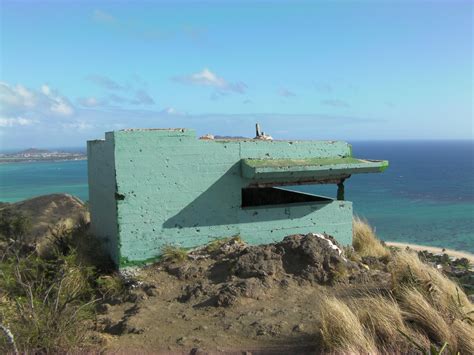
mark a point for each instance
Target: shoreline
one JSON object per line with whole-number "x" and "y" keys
{"x": 434, "y": 250}
{"x": 41, "y": 160}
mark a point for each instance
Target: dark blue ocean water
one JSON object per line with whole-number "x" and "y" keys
{"x": 426, "y": 196}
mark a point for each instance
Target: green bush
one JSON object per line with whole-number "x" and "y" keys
{"x": 46, "y": 303}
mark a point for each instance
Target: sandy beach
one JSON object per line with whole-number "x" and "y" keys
{"x": 434, "y": 250}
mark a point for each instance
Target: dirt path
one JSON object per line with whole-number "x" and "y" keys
{"x": 261, "y": 299}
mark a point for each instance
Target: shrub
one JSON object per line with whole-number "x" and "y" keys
{"x": 14, "y": 226}
{"x": 46, "y": 304}
{"x": 365, "y": 242}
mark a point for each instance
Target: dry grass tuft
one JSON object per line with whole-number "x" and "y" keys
{"x": 465, "y": 336}
{"x": 383, "y": 318}
{"x": 174, "y": 254}
{"x": 419, "y": 312}
{"x": 445, "y": 295}
{"x": 341, "y": 330}
{"x": 423, "y": 312}
{"x": 365, "y": 242}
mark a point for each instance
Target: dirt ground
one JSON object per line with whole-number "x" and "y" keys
{"x": 236, "y": 298}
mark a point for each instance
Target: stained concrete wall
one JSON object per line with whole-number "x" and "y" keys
{"x": 102, "y": 187}
{"x": 172, "y": 188}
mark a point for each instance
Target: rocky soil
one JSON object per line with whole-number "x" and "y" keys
{"x": 262, "y": 299}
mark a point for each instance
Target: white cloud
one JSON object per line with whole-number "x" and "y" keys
{"x": 62, "y": 108}
{"x": 15, "y": 121}
{"x": 171, "y": 111}
{"x": 89, "y": 101}
{"x": 16, "y": 101}
{"x": 45, "y": 89}
{"x": 207, "y": 78}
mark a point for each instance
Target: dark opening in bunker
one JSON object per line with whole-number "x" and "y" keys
{"x": 261, "y": 196}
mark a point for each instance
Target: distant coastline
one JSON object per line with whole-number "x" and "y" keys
{"x": 434, "y": 250}
{"x": 52, "y": 160}
{"x": 38, "y": 155}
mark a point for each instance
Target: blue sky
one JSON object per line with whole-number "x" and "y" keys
{"x": 353, "y": 70}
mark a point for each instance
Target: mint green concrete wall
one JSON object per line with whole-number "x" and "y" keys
{"x": 102, "y": 204}
{"x": 183, "y": 191}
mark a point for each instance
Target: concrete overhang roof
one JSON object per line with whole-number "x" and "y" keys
{"x": 309, "y": 168}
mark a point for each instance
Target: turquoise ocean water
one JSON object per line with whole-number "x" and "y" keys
{"x": 426, "y": 196}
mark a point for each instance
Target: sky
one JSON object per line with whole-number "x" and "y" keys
{"x": 350, "y": 70}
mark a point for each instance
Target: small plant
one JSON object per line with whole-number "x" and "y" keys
{"x": 174, "y": 254}
{"x": 14, "y": 229}
{"x": 216, "y": 244}
{"x": 111, "y": 286}
{"x": 14, "y": 226}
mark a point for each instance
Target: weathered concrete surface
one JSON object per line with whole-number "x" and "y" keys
{"x": 149, "y": 188}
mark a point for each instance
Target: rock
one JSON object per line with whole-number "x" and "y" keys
{"x": 230, "y": 293}
{"x": 313, "y": 257}
{"x": 258, "y": 261}
{"x": 184, "y": 271}
{"x": 192, "y": 292}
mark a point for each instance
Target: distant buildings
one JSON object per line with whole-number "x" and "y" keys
{"x": 30, "y": 155}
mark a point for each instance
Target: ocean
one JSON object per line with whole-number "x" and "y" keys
{"x": 426, "y": 196}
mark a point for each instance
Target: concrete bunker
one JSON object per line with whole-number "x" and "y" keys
{"x": 153, "y": 187}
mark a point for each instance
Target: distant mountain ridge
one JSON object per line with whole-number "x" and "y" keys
{"x": 33, "y": 151}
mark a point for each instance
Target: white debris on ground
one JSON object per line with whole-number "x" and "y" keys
{"x": 331, "y": 244}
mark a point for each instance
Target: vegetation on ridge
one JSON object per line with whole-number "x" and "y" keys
{"x": 48, "y": 304}
{"x": 423, "y": 310}
{"x": 58, "y": 301}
